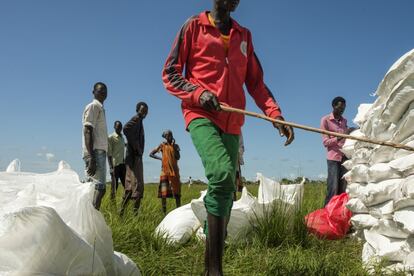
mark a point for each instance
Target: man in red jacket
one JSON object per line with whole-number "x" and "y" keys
{"x": 218, "y": 56}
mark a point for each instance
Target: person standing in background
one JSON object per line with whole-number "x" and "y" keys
{"x": 95, "y": 142}
{"x": 337, "y": 123}
{"x": 116, "y": 158}
{"x": 134, "y": 179}
{"x": 170, "y": 185}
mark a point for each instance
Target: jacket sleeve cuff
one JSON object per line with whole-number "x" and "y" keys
{"x": 275, "y": 113}
{"x": 195, "y": 95}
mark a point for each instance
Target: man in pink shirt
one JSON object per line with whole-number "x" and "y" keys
{"x": 336, "y": 123}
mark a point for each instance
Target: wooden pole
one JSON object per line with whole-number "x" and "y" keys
{"x": 312, "y": 129}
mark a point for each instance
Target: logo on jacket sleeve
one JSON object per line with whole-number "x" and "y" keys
{"x": 243, "y": 48}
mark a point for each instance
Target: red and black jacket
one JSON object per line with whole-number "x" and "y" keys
{"x": 199, "y": 49}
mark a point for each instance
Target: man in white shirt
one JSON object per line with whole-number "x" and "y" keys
{"x": 95, "y": 142}
{"x": 116, "y": 158}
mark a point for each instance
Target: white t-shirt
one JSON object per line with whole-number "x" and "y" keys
{"x": 94, "y": 116}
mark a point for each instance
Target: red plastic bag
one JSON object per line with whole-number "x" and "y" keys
{"x": 331, "y": 222}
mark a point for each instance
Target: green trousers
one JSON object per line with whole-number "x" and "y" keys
{"x": 219, "y": 152}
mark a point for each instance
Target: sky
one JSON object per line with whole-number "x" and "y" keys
{"x": 52, "y": 52}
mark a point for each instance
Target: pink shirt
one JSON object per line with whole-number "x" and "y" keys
{"x": 331, "y": 143}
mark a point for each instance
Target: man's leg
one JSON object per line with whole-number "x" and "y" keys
{"x": 122, "y": 173}
{"x": 126, "y": 198}
{"x": 139, "y": 174}
{"x": 216, "y": 150}
{"x": 162, "y": 193}
{"x": 176, "y": 189}
{"x": 341, "y": 182}
{"x": 129, "y": 184}
{"x": 113, "y": 183}
{"x": 100, "y": 177}
{"x": 117, "y": 177}
{"x": 332, "y": 181}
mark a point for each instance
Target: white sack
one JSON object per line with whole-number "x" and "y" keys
{"x": 405, "y": 165}
{"x": 403, "y": 203}
{"x": 71, "y": 199}
{"x": 178, "y": 225}
{"x": 390, "y": 229}
{"x": 241, "y": 214}
{"x": 408, "y": 187}
{"x": 355, "y": 189}
{"x": 382, "y": 171}
{"x": 124, "y": 266}
{"x": 405, "y": 216}
{"x": 382, "y": 130}
{"x": 362, "y": 115}
{"x": 361, "y": 156}
{"x": 35, "y": 240}
{"x": 399, "y": 99}
{"x": 363, "y": 221}
{"x": 269, "y": 190}
{"x": 405, "y": 128}
{"x": 398, "y": 71}
{"x": 348, "y": 164}
{"x": 389, "y": 248}
{"x": 369, "y": 259}
{"x": 381, "y": 154}
{"x": 358, "y": 174}
{"x": 383, "y": 210}
{"x": 376, "y": 193}
{"x": 398, "y": 153}
{"x": 356, "y": 206}
{"x": 349, "y": 145}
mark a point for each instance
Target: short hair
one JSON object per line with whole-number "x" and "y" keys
{"x": 96, "y": 85}
{"x": 117, "y": 122}
{"x": 141, "y": 103}
{"x": 166, "y": 132}
{"x": 338, "y": 99}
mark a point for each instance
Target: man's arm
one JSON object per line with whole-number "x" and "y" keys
{"x": 172, "y": 76}
{"x": 176, "y": 151}
{"x": 89, "y": 122}
{"x": 261, "y": 94}
{"x": 110, "y": 161}
{"x": 326, "y": 139}
{"x": 88, "y": 135}
{"x": 154, "y": 152}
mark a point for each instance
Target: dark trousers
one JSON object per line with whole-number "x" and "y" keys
{"x": 119, "y": 175}
{"x": 336, "y": 185}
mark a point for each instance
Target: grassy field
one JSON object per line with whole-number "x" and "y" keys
{"x": 272, "y": 248}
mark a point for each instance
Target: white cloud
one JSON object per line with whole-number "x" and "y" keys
{"x": 50, "y": 156}
{"x": 39, "y": 154}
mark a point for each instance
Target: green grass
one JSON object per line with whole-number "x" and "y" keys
{"x": 274, "y": 247}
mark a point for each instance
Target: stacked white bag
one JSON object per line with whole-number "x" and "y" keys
{"x": 381, "y": 179}
{"x": 48, "y": 226}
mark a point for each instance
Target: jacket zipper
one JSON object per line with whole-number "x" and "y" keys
{"x": 228, "y": 71}
{"x": 228, "y": 80}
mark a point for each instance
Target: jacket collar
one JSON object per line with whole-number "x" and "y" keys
{"x": 97, "y": 102}
{"x": 203, "y": 17}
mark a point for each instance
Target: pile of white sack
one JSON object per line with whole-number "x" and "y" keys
{"x": 380, "y": 178}
{"x": 48, "y": 226}
{"x": 180, "y": 224}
